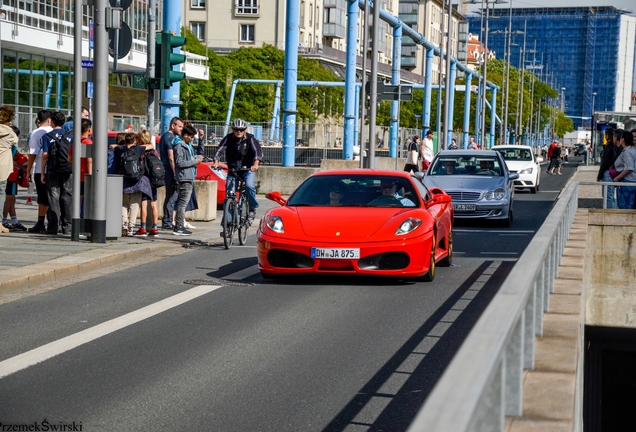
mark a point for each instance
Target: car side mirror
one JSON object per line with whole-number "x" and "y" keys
{"x": 539, "y": 159}
{"x": 513, "y": 176}
{"x": 438, "y": 199}
{"x": 276, "y": 197}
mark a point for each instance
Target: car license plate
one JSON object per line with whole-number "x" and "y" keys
{"x": 331, "y": 253}
{"x": 464, "y": 207}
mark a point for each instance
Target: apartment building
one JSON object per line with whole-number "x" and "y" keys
{"x": 322, "y": 32}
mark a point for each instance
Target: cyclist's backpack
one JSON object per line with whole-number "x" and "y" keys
{"x": 130, "y": 164}
{"x": 154, "y": 169}
{"x": 59, "y": 148}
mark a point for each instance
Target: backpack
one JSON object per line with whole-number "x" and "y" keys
{"x": 155, "y": 171}
{"x": 59, "y": 148}
{"x": 130, "y": 165}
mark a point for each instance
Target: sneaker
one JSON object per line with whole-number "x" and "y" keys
{"x": 29, "y": 200}
{"x": 124, "y": 232}
{"x": 141, "y": 232}
{"x": 251, "y": 215}
{"x": 7, "y": 225}
{"x": 38, "y": 228}
{"x": 189, "y": 226}
{"x": 18, "y": 227}
{"x": 181, "y": 232}
{"x": 154, "y": 232}
{"x": 3, "y": 229}
{"x": 167, "y": 226}
{"x": 131, "y": 230}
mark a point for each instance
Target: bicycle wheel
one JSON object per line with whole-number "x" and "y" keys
{"x": 243, "y": 223}
{"x": 228, "y": 226}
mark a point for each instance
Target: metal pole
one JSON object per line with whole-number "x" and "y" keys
{"x": 350, "y": 80}
{"x": 77, "y": 120}
{"x": 291, "y": 78}
{"x": 438, "y": 114}
{"x": 373, "y": 103}
{"x": 502, "y": 130}
{"x": 363, "y": 102}
{"x": 100, "y": 124}
{"x": 523, "y": 68}
{"x": 150, "y": 65}
{"x": 485, "y": 88}
{"x": 509, "y": 37}
{"x": 448, "y": 127}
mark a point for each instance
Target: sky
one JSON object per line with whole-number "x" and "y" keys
{"x": 620, "y": 4}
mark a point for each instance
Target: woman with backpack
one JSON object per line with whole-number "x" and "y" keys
{"x": 130, "y": 164}
{"x": 155, "y": 175}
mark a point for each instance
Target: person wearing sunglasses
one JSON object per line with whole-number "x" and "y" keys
{"x": 241, "y": 150}
{"x": 336, "y": 195}
{"x": 389, "y": 188}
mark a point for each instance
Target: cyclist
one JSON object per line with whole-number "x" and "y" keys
{"x": 241, "y": 150}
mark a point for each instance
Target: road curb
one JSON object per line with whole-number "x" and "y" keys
{"x": 63, "y": 267}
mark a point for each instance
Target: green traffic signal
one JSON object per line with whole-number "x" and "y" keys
{"x": 165, "y": 59}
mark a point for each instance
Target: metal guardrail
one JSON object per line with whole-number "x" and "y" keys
{"x": 484, "y": 381}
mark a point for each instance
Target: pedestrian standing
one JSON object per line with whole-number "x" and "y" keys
{"x": 426, "y": 151}
{"x": 185, "y": 163}
{"x": 8, "y": 138}
{"x": 58, "y": 176}
{"x": 626, "y": 166}
{"x": 144, "y": 138}
{"x": 412, "y": 155}
{"x": 608, "y": 158}
{"x": 35, "y": 169}
{"x": 13, "y": 224}
{"x": 166, "y": 153}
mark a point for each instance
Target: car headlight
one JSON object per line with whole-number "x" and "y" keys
{"x": 526, "y": 171}
{"x": 498, "y": 194}
{"x": 408, "y": 226}
{"x": 275, "y": 223}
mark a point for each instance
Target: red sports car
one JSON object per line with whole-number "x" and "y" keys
{"x": 360, "y": 221}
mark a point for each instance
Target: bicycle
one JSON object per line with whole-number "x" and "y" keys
{"x": 235, "y": 209}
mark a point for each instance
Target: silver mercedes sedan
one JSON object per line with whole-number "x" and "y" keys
{"x": 478, "y": 181}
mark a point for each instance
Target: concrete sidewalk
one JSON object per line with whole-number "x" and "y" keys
{"x": 31, "y": 260}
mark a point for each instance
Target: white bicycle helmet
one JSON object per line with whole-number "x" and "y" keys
{"x": 239, "y": 124}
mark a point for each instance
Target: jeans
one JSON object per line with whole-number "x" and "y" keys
{"x": 625, "y": 195}
{"x": 59, "y": 187}
{"x": 171, "y": 196}
{"x": 184, "y": 192}
{"x": 248, "y": 178}
{"x": 611, "y": 191}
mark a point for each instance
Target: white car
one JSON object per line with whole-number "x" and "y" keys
{"x": 520, "y": 159}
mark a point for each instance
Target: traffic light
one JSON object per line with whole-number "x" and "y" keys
{"x": 165, "y": 59}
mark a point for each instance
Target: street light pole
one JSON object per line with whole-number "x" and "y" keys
{"x": 592, "y": 130}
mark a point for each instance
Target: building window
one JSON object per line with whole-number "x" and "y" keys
{"x": 247, "y": 7}
{"x": 197, "y": 4}
{"x": 247, "y": 33}
{"x": 198, "y": 28}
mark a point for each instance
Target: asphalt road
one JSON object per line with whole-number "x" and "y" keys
{"x": 140, "y": 349}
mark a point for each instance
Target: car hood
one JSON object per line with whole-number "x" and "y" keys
{"x": 519, "y": 165}
{"x": 343, "y": 222}
{"x": 480, "y": 183}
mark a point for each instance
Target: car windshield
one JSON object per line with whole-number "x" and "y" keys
{"x": 515, "y": 154}
{"x": 466, "y": 165}
{"x": 355, "y": 191}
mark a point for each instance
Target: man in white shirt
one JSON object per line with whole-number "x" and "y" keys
{"x": 426, "y": 152}
{"x": 34, "y": 167}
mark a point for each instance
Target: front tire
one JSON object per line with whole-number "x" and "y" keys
{"x": 430, "y": 275}
{"x": 243, "y": 223}
{"x": 228, "y": 227}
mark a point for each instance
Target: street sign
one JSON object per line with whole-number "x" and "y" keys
{"x": 88, "y": 64}
{"x": 140, "y": 81}
{"x": 89, "y": 90}
{"x": 396, "y": 93}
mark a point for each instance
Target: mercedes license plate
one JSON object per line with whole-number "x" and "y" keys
{"x": 331, "y": 253}
{"x": 464, "y": 207}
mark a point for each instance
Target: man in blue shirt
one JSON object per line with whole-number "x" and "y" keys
{"x": 166, "y": 153}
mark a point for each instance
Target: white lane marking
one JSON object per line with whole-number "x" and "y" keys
{"x": 243, "y": 274}
{"x": 60, "y": 346}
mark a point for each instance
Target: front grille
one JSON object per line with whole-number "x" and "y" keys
{"x": 464, "y": 196}
{"x": 287, "y": 259}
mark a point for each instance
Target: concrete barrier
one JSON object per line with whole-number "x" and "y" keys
{"x": 286, "y": 179}
{"x": 205, "y": 191}
{"x": 610, "y": 269}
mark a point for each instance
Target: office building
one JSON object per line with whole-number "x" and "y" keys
{"x": 584, "y": 50}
